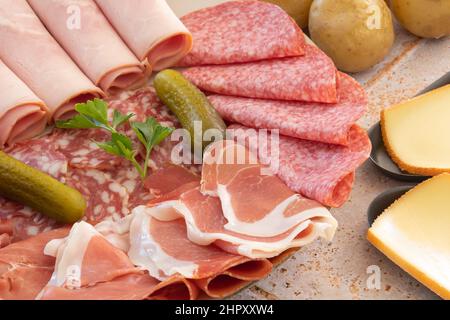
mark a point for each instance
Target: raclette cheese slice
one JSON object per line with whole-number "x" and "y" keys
{"x": 416, "y": 133}
{"x": 414, "y": 232}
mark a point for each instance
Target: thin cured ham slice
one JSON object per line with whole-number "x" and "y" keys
{"x": 221, "y": 34}
{"x": 164, "y": 249}
{"x": 87, "y": 265}
{"x": 93, "y": 45}
{"x": 22, "y": 114}
{"x": 328, "y": 123}
{"x": 29, "y": 50}
{"x": 150, "y": 29}
{"x": 24, "y": 269}
{"x": 242, "y": 208}
{"x": 255, "y": 202}
{"x": 310, "y": 78}
{"x": 319, "y": 171}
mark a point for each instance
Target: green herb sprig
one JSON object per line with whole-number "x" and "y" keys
{"x": 94, "y": 115}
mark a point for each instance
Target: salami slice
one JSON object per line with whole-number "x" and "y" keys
{"x": 106, "y": 198}
{"x": 310, "y": 78}
{"x": 42, "y": 155}
{"x": 310, "y": 121}
{"x": 323, "y": 172}
{"x": 79, "y": 147}
{"x": 220, "y": 34}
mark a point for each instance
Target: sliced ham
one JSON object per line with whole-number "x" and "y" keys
{"x": 219, "y": 212}
{"x": 329, "y": 123}
{"x": 310, "y": 78}
{"x": 93, "y": 45}
{"x": 221, "y": 34}
{"x": 22, "y": 114}
{"x": 24, "y": 269}
{"x": 151, "y": 30}
{"x": 89, "y": 267}
{"x": 319, "y": 171}
{"x": 164, "y": 249}
{"x": 29, "y": 50}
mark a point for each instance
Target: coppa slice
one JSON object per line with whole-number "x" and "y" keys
{"x": 220, "y": 34}
{"x": 22, "y": 114}
{"x": 319, "y": 171}
{"x": 416, "y": 133}
{"x": 94, "y": 46}
{"x": 151, "y": 30}
{"x": 414, "y": 233}
{"x": 36, "y": 58}
{"x": 310, "y": 78}
{"x": 89, "y": 267}
{"x": 329, "y": 123}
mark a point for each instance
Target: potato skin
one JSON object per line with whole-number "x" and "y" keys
{"x": 423, "y": 18}
{"x": 356, "y": 34}
{"x": 297, "y": 9}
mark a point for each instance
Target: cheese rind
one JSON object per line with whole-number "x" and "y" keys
{"x": 414, "y": 232}
{"x": 416, "y": 133}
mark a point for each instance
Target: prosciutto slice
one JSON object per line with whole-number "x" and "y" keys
{"x": 22, "y": 114}
{"x": 150, "y": 29}
{"x": 29, "y": 50}
{"x": 87, "y": 265}
{"x": 275, "y": 221}
{"x": 93, "y": 45}
{"x": 24, "y": 269}
{"x": 319, "y": 171}
{"x": 164, "y": 249}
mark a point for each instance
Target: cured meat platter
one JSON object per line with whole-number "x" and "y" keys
{"x": 218, "y": 149}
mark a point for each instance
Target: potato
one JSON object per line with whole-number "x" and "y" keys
{"x": 356, "y": 34}
{"x": 297, "y": 9}
{"x": 424, "y": 18}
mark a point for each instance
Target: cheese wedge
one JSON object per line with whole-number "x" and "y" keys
{"x": 414, "y": 232}
{"x": 417, "y": 133}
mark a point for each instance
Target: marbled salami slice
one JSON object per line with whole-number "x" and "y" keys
{"x": 79, "y": 147}
{"x": 310, "y": 121}
{"x": 319, "y": 171}
{"x": 106, "y": 198}
{"x": 310, "y": 78}
{"x": 221, "y": 34}
{"x": 42, "y": 155}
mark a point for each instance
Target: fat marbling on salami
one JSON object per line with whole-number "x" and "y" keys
{"x": 310, "y": 78}
{"x": 221, "y": 34}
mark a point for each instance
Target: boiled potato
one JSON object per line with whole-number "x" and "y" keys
{"x": 424, "y": 18}
{"x": 356, "y": 34}
{"x": 297, "y": 9}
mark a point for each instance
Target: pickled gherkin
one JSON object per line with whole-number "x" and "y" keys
{"x": 37, "y": 190}
{"x": 189, "y": 104}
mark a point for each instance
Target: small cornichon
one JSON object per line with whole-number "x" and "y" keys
{"x": 188, "y": 103}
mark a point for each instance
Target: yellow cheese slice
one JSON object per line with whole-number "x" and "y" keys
{"x": 417, "y": 133}
{"x": 414, "y": 232}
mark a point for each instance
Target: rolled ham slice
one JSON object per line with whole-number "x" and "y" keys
{"x": 24, "y": 269}
{"x": 89, "y": 267}
{"x": 94, "y": 45}
{"x": 150, "y": 29}
{"x": 29, "y": 50}
{"x": 22, "y": 114}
